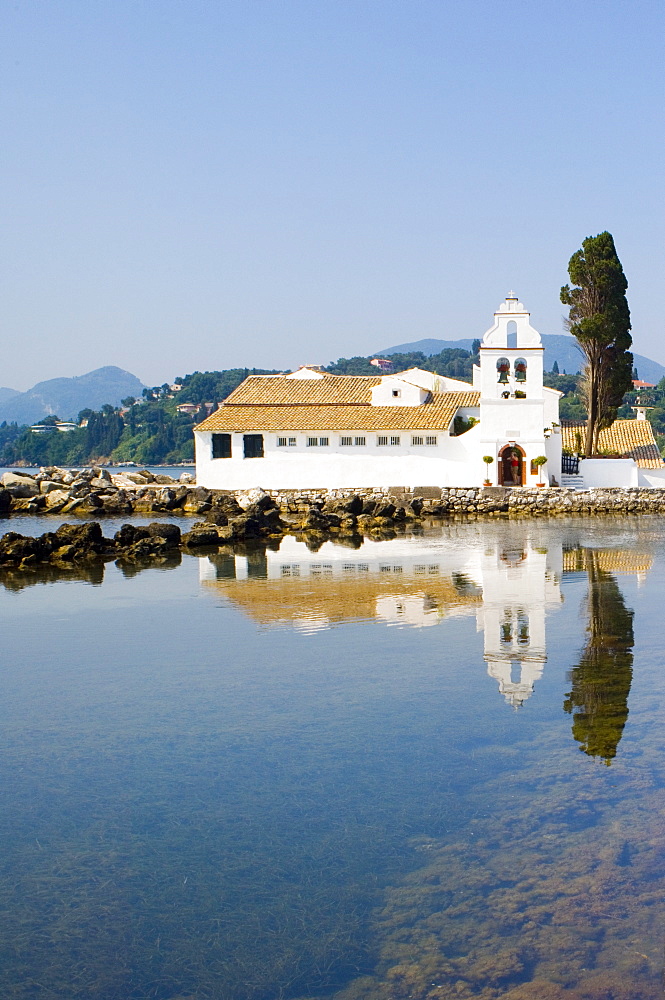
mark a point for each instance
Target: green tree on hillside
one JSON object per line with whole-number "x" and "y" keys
{"x": 454, "y": 362}
{"x": 215, "y": 386}
{"x": 599, "y": 319}
{"x": 353, "y": 366}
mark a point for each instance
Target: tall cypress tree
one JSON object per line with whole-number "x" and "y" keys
{"x": 599, "y": 319}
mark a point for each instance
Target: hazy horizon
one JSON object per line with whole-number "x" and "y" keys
{"x": 200, "y": 186}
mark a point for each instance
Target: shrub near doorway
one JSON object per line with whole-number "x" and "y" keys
{"x": 539, "y": 462}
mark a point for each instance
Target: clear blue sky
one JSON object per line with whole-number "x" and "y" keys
{"x": 198, "y": 185}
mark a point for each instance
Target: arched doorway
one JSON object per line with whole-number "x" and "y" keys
{"x": 506, "y": 466}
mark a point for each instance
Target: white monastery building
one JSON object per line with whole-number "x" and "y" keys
{"x": 310, "y": 429}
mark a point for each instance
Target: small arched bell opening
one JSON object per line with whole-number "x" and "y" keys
{"x": 520, "y": 370}
{"x": 511, "y": 335}
{"x": 512, "y": 466}
{"x": 503, "y": 368}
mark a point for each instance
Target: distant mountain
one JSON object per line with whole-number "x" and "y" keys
{"x": 6, "y": 394}
{"x": 66, "y": 397}
{"x": 426, "y": 346}
{"x": 558, "y": 347}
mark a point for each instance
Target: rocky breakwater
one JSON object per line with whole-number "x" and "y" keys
{"x": 85, "y": 543}
{"x": 253, "y": 515}
{"x": 256, "y": 520}
{"x": 98, "y": 491}
{"x": 347, "y": 515}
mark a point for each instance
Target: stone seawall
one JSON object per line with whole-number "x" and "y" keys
{"x": 434, "y": 501}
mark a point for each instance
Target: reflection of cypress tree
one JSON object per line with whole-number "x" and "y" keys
{"x": 601, "y": 680}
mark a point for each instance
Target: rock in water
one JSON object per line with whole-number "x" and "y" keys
{"x": 253, "y": 497}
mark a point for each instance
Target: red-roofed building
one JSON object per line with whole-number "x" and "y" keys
{"x": 312, "y": 429}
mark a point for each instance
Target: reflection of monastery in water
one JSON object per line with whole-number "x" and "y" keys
{"x": 520, "y": 582}
{"x": 509, "y": 580}
{"x": 400, "y": 582}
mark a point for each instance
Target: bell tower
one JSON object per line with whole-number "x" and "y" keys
{"x": 512, "y": 405}
{"x": 511, "y": 355}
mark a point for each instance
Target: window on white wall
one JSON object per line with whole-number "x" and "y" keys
{"x": 381, "y": 440}
{"x": 221, "y": 446}
{"x": 417, "y": 440}
{"x": 397, "y": 393}
{"x": 253, "y": 445}
{"x": 394, "y": 441}
{"x": 292, "y": 442}
{"x": 345, "y": 441}
{"x": 312, "y": 442}
{"x": 359, "y": 442}
{"x": 430, "y": 440}
{"x": 281, "y": 442}
{"x": 324, "y": 442}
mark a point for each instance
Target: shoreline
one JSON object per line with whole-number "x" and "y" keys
{"x": 97, "y": 492}
{"x": 258, "y": 519}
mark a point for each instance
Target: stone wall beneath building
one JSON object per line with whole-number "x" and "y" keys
{"x": 493, "y": 500}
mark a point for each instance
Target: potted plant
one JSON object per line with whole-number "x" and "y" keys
{"x": 487, "y": 459}
{"x": 540, "y": 462}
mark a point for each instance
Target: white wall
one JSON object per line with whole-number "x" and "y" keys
{"x": 408, "y": 394}
{"x": 551, "y": 399}
{"x": 601, "y": 472}
{"x": 651, "y": 479}
{"x": 553, "y": 447}
{"x": 454, "y": 461}
{"x": 506, "y": 420}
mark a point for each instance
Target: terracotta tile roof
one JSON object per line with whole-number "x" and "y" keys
{"x": 607, "y": 560}
{"x": 436, "y": 414}
{"x": 630, "y": 438}
{"x": 277, "y": 390}
{"x": 336, "y": 599}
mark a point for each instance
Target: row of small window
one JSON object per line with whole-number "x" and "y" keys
{"x": 253, "y": 443}
{"x": 382, "y": 440}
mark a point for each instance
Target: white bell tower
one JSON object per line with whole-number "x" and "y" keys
{"x": 512, "y": 406}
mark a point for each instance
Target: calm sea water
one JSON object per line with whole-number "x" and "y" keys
{"x": 426, "y": 767}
